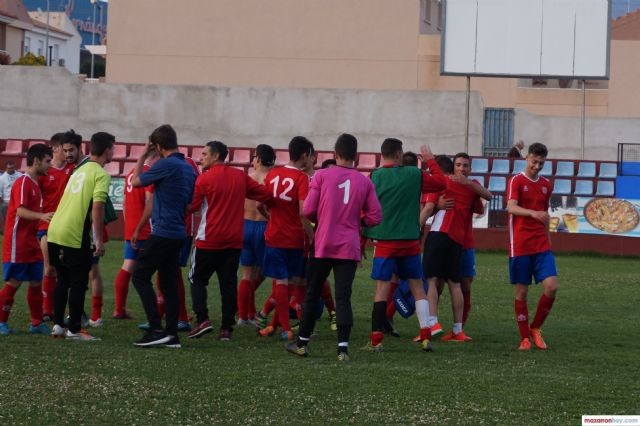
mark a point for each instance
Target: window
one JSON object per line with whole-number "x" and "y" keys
{"x": 56, "y": 52}
{"x": 427, "y": 12}
{"x": 27, "y": 45}
{"x": 40, "y": 48}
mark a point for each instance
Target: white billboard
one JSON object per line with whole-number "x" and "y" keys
{"x": 526, "y": 38}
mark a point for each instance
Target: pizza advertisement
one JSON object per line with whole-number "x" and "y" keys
{"x": 607, "y": 216}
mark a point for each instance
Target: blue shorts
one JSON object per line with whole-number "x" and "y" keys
{"x": 41, "y": 234}
{"x": 23, "y": 271}
{"x": 468, "y": 263}
{"x": 405, "y": 267}
{"x": 539, "y": 266}
{"x": 282, "y": 263}
{"x": 131, "y": 253}
{"x": 253, "y": 244}
{"x": 185, "y": 252}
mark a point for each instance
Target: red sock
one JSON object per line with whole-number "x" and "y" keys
{"x": 120, "y": 291}
{"x": 327, "y": 297}
{"x": 391, "y": 306}
{"x": 270, "y": 303}
{"x": 544, "y": 307}
{"x": 34, "y": 300}
{"x": 159, "y": 298}
{"x": 282, "y": 306}
{"x": 425, "y": 333}
{"x": 182, "y": 314}
{"x": 467, "y": 306}
{"x": 6, "y": 301}
{"x": 522, "y": 318}
{"x": 48, "y": 285}
{"x": 300, "y": 291}
{"x": 252, "y": 298}
{"x": 244, "y": 296}
{"x": 96, "y": 307}
{"x": 376, "y": 337}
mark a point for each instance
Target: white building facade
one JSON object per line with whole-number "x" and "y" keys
{"x": 64, "y": 40}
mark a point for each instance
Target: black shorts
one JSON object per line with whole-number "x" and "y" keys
{"x": 442, "y": 257}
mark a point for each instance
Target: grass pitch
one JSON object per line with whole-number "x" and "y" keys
{"x": 591, "y": 366}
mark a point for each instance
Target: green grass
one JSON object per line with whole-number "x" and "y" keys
{"x": 590, "y": 368}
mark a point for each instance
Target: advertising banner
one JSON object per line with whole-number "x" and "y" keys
{"x": 116, "y": 192}
{"x": 585, "y": 215}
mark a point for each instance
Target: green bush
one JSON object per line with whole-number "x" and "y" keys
{"x": 31, "y": 59}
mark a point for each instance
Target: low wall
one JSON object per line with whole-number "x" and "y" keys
{"x": 36, "y": 102}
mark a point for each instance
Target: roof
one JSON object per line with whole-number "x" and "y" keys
{"x": 626, "y": 27}
{"x": 15, "y": 9}
{"x": 36, "y": 19}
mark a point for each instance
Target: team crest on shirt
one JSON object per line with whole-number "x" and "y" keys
{"x": 544, "y": 189}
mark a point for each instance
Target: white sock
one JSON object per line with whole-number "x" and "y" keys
{"x": 433, "y": 320}
{"x": 343, "y": 344}
{"x": 457, "y": 327}
{"x": 422, "y": 311}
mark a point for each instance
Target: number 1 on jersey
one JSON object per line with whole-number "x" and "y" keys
{"x": 346, "y": 185}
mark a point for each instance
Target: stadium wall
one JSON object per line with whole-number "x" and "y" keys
{"x": 36, "y": 102}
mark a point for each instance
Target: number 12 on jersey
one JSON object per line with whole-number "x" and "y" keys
{"x": 287, "y": 184}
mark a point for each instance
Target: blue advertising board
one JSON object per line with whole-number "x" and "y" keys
{"x": 81, "y": 14}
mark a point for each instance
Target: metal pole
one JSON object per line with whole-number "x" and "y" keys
{"x": 101, "y": 27}
{"x": 93, "y": 33}
{"x": 46, "y": 40}
{"x": 466, "y": 118}
{"x": 584, "y": 117}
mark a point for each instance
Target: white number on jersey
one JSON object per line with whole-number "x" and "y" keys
{"x": 287, "y": 183}
{"x": 77, "y": 180}
{"x": 129, "y": 187}
{"x": 346, "y": 185}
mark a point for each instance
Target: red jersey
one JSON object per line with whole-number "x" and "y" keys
{"x": 478, "y": 207}
{"x": 527, "y": 235}
{"x": 288, "y": 186}
{"x": 455, "y": 221}
{"x": 133, "y": 207}
{"x": 52, "y": 187}
{"x": 190, "y": 218}
{"x": 20, "y": 244}
{"x": 219, "y": 194}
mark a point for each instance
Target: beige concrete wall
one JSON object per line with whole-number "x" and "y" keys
{"x": 288, "y": 43}
{"x": 40, "y": 101}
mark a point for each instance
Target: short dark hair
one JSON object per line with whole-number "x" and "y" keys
{"x": 461, "y": 155}
{"x": 56, "y": 140}
{"x": 299, "y": 146}
{"x": 165, "y": 137}
{"x": 328, "y": 163}
{"x": 347, "y": 147}
{"x": 71, "y": 137}
{"x": 38, "y": 151}
{"x": 445, "y": 164}
{"x": 266, "y": 155}
{"x": 390, "y": 147}
{"x": 218, "y": 148}
{"x": 100, "y": 142}
{"x": 538, "y": 148}
{"x": 410, "y": 159}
